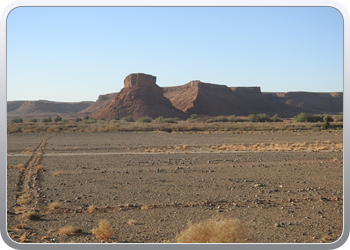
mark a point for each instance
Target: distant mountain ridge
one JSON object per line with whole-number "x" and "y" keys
{"x": 141, "y": 96}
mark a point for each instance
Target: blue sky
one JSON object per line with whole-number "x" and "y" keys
{"x": 77, "y": 53}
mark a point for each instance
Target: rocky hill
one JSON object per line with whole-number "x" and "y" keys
{"x": 41, "y": 108}
{"x": 102, "y": 100}
{"x": 311, "y": 102}
{"x": 141, "y": 96}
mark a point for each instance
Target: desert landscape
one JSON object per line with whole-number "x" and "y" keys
{"x": 147, "y": 164}
{"x": 282, "y": 186}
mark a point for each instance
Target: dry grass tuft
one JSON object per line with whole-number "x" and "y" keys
{"x": 69, "y": 230}
{"x": 91, "y": 209}
{"x": 213, "y": 231}
{"x": 57, "y": 173}
{"x": 24, "y": 199}
{"x": 21, "y": 226}
{"x": 131, "y": 222}
{"x": 104, "y": 231}
{"x": 145, "y": 207}
{"x": 21, "y": 167}
{"x": 54, "y": 205}
{"x": 40, "y": 168}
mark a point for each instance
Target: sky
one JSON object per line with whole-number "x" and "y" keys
{"x": 74, "y": 54}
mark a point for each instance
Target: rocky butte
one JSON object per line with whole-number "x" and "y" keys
{"x": 141, "y": 96}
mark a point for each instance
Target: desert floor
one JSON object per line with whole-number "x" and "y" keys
{"x": 282, "y": 186}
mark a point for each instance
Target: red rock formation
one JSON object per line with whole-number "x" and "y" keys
{"x": 208, "y": 99}
{"x": 101, "y": 101}
{"x": 141, "y": 96}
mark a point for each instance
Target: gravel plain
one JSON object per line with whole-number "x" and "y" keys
{"x": 150, "y": 185}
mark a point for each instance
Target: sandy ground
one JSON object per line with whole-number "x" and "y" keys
{"x": 149, "y": 186}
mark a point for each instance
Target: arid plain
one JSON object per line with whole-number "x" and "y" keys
{"x": 283, "y": 186}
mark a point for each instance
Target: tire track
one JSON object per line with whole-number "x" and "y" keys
{"x": 29, "y": 186}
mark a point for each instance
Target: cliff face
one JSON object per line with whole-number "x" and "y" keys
{"x": 209, "y": 99}
{"x": 141, "y": 96}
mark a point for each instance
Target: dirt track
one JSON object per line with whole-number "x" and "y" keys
{"x": 163, "y": 180}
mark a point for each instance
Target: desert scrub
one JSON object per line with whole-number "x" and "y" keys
{"x": 54, "y": 205}
{"x": 24, "y": 199}
{"x": 145, "y": 119}
{"x": 213, "y": 231}
{"x": 21, "y": 226}
{"x": 131, "y": 222}
{"x": 56, "y": 173}
{"x": 40, "y": 168}
{"x": 69, "y": 230}
{"x": 91, "y": 209}
{"x": 33, "y": 215}
{"x": 103, "y": 231}
{"x": 21, "y": 167}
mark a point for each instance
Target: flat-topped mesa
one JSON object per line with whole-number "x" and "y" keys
{"x": 141, "y": 96}
{"x": 248, "y": 90}
{"x": 139, "y": 80}
{"x": 196, "y": 84}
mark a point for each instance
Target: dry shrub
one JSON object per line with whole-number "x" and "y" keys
{"x": 335, "y": 159}
{"x": 21, "y": 167}
{"x": 21, "y": 226}
{"x": 24, "y": 199}
{"x": 104, "y": 231}
{"x": 145, "y": 207}
{"x": 40, "y": 168}
{"x": 56, "y": 173}
{"x": 213, "y": 231}
{"x": 131, "y": 222}
{"x": 33, "y": 215}
{"x": 54, "y": 205}
{"x": 91, "y": 209}
{"x": 69, "y": 230}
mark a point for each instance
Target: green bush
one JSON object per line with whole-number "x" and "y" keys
{"x": 221, "y": 119}
{"x": 78, "y": 119}
{"x": 193, "y": 118}
{"x": 259, "y": 118}
{"x": 33, "y": 120}
{"x": 58, "y": 119}
{"x": 90, "y": 120}
{"x": 115, "y": 118}
{"x": 46, "y": 120}
{"x": 339, "y": 118}
{"x": 305, "y": 117}
{"x": 170, "y": 120}
{"x": 276, "y": 118}
{"x": 159, "y": 119}
{"x": 232, "y": 118}
{"x": 145, "y": 119}
{"x": 16, "y": 120}
{"x": 128, "y": 119}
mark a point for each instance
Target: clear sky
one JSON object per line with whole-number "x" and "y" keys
{"x": 78, "y": 53}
